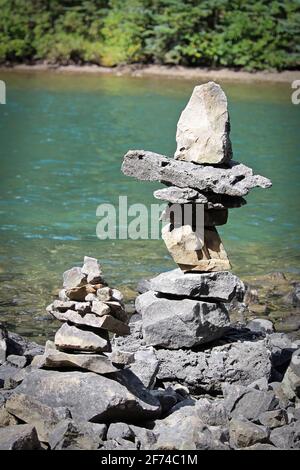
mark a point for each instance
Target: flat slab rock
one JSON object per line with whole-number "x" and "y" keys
{"x": 237, "y": 363}
{"x": 175, "y": 324}
{"x": 90, "y": 397}
{"x": 222, "y": 286}
{"x": 53, "y": 359}
{"x": 235, "y": 179}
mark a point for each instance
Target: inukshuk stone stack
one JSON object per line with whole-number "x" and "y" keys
{"x": 186, "y": 307}
{"x": 89, "y": 310}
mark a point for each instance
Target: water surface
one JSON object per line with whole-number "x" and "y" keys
{"x": 62, "y": 141}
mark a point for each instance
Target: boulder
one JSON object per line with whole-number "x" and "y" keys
{"x": 220, "y": 286}
{"x": 76, "y": 339}
{"x": 53, "y": 359}
{"x": 203, "y": 128}
{"x": 252, "y": 404}
{"x": 283, "y": 437}
{"x": 184, "y": 430}
{"x": 174, "y": 324}
{"x": 234, "y": 179}
{"x": 243, "y": 433}
{"x": 91, "y": 397}
{"x": 19, "y": 437}
{"x": 77, "y": 435}
{"x": 31, "y": 411}
{"x": 274, "y": 419}
{"x": 239, "y": 363}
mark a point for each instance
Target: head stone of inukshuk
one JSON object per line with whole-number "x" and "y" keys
{"x": 202, "y": 183}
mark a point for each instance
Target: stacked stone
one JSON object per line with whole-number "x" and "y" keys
{"x": 186, "y": 307}
{"x": 89, "y": 309}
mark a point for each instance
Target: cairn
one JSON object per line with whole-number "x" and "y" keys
{"x": 89, "y": 309}
{"x": 186, "y": 307}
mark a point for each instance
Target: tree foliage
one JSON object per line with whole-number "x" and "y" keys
{"x": 252, "y": 34}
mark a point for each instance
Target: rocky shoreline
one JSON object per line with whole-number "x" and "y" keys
{"x": 239, "y": 392}
{"x": 142, "y": 70}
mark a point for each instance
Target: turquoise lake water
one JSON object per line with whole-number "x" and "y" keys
{"x": 62, "y": 142}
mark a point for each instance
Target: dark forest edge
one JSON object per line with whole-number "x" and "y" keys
{"x": 252, "y": 35}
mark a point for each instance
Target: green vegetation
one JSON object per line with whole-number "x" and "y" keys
{"x": 252, "y": 34}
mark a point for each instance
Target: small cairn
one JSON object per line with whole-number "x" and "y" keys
{"x": 186, "y": 307}
{"x": 89, "y": 309}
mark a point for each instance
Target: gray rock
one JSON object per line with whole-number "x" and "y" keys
{"x": 3, "y": 345}
{"x": 53, "y": 359}
{"x": 31, "y": 411}
{"x": 82, "y": 307}
{"x": 77, "y": 435}
{"x": 19, "y": 437}
{"x": 243, "y": 433}
{"x": 235, "y": 179}
{"x": 17, "y": 361}
{"x": 73, "y": 278}
{"x": 145, "y": 366}
{"x": 73, "y": 338}
{"x": 144, "y": 438}
{"x": 293, "y": 298}
{"x": 92, "y": 270}
{"x": 274, "y": 419}
{"x": 6, "y": 419}
{"x": 212, "y": 412}
{"x": 183, "y": 430}
{"x": 91, "y": 397}
{"x": 261, "y": 325}
{"x": 291, "y": 379}
{"x": 260, "y": 447}
{"x": 203, "y": 128}
{"x": 100, "y": 308}
{"x": 253, "y": 403}
{"x": 120, "y": 357}
{"x": 282, "y": 349}
{"x": 106, "y": 322}
{"x": 177, "y": 195}
{"x": 118, "y": 444}
{"x": 120, "y": 430}
{"x": 175, "y": 324}
{"x": 132, "y": 342}
{"x": 218, "y": 286}
{"x": 238, "y": 363}
{"x": 283, "y": 437}
{"x": 20, "y": 346}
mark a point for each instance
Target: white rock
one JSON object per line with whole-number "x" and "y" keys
{"x": 203, "y": 128}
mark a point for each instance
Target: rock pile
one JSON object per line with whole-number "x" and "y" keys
{"x": 89, "y": 309}
{"x": 177, "y": 375}
{"x": 186, "y": 307}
